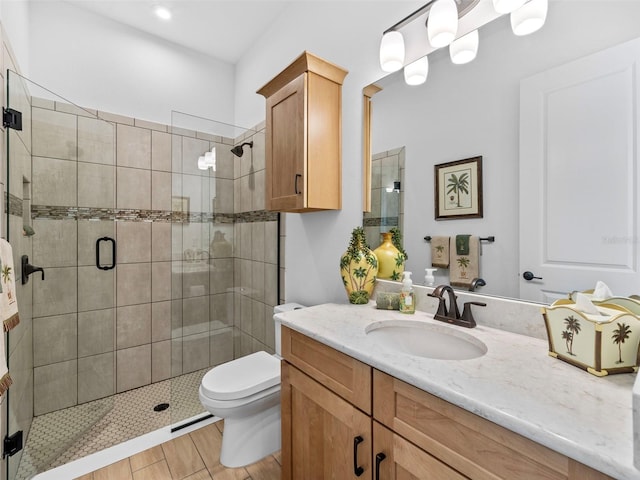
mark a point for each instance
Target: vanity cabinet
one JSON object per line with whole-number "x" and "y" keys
{"x": 329, "y": 399}
{"x": 304, "y": 136}
{"x": 326, "y": 406}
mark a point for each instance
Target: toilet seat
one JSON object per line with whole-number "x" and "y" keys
{"x": 243, "y": 377}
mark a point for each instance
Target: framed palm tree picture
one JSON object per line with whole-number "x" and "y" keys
{"x": 458, "y": 189}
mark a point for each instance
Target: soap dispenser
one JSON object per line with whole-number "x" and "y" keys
{"x": 407, "y": 297}
{"x": 429, "y": 279}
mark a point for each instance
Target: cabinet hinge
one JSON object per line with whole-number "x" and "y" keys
{"x": 12, "y": 444}
{"x": 11, "y": 118}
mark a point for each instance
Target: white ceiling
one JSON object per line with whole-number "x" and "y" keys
{"x": 223, "y": 29}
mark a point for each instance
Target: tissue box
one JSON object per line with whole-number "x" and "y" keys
{"x": 600, "y": 344}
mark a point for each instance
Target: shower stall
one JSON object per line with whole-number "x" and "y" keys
{"x": 159, "y": 262}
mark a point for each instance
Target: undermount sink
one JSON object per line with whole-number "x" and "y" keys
{"x": 426, "y": 340}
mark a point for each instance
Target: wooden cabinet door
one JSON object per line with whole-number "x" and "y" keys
{"x": 318, "y": 432}
{"x": 286, "y": 151}
{"x": 340, "y": 373}
{"x": 397, "y": 459}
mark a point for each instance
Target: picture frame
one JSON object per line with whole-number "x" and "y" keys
{"x": 458, "y": 189}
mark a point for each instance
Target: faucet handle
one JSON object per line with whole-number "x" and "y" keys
{"x": 442, "y": 308}
{"x": 467, "y": 315}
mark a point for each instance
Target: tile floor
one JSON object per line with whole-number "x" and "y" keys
{"x": 194, "y": 456}
{"x": 66, "y": 435}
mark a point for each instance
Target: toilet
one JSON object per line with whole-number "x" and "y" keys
{"x": 245, "y": 392}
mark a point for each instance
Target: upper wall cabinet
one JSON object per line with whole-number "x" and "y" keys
{"x": 304, "y": 136}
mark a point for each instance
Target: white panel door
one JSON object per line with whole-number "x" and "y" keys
{"x": 579, "y": 175}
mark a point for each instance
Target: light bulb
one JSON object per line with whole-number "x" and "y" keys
{"x": 210, "y": 158}
{"x": 464, "y": 49}
{"x": 416, "y": 72}
{"x": 530, "y": 17}
{"x": 442, "y": 24}
{"x": 162, "y": 13}
{"x": 392, "y": 51}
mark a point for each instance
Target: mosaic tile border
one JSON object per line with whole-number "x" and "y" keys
{"x": 380, "y": 222}
{"x": 48, "y": 212}
{"x": 13, "y": 205}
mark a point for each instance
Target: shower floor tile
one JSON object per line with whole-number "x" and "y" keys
{"x": 65, "y": 435}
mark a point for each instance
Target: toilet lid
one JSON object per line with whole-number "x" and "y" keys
{"x": 242, "y": 377}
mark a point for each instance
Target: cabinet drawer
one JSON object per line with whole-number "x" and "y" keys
{"x": 476, "y": 447}
{"x": 403, "y": 460}
{"x": 342, "y": 374}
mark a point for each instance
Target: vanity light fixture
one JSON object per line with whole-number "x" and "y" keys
{"x": 507, "y": 6}
{"x": 208, "y": 160}
{"x": 442, "y": 24}
{"x": 163, "y": 13}
{"x": 392, "y": 51}
{"x": 464, "y": 49}
{"x": 416, "y": 72}
{"x": 441, "y": 20}
{"x": 530, "y": 17}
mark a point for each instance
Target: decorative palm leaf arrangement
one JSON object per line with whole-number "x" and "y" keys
{"x": 396, "y": 239}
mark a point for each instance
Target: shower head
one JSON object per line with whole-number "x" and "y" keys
{"x": 238, "y": 151}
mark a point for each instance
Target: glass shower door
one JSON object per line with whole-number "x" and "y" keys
{"x": 61, "y": 200}
{"x": 224, "y": 254}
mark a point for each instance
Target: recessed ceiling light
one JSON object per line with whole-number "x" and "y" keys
{"x": 162, "y": 12}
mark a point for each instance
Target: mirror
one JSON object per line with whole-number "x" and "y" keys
{"x": 387, "y": 178}
{"x": 464, "y": 111}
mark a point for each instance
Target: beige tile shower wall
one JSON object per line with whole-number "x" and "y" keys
{"x": 75, "y": 308}
{"x": 256, "y": 245}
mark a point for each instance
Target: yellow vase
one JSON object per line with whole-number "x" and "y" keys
{"x": 390, "y": 259}
{"x": 358, "y": 268}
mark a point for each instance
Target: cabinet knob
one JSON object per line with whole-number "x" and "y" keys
{"x": 357, "y": 470}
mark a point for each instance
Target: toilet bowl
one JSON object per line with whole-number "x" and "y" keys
{"x": 245, "y": 392}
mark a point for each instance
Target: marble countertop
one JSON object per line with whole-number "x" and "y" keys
{"x": 516, "y": 384}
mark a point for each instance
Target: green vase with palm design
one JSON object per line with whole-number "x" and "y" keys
{"x": 358, "y": 268}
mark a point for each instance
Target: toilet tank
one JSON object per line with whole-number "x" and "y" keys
{"x": 285, "y": 307}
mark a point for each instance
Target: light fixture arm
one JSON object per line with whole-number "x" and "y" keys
{"x": 411, "y": 17}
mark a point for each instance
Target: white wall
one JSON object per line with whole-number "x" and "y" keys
{"x": 97, "y": 63}
{"x": 14, "y": 15}
{"x": 347, "y": 34}
{"x": 470, "y": 110}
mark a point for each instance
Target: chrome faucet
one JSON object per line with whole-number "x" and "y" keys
{"x": 452, "y": 314}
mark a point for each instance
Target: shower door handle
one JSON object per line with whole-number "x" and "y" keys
{"x": 113, "y": 253}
